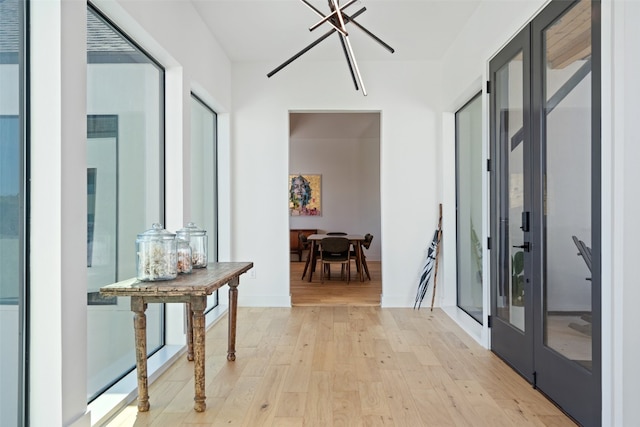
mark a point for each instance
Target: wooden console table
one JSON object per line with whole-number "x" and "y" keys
{"x": 186, "y": 288}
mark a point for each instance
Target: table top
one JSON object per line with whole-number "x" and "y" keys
{"x": 352, "y": 237}
{"x": 202, "y": 281}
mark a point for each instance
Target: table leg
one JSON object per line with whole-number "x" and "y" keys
{"x": 308, "y": 260}
{"x": 189, "y": 331}
{"x": 198, "y": 304}
{"x": 364, "y": 264}
{"x": 359, "y": 255}
{"x": 312, "y": 256}
{"x": 138, "y": 307}
{"x": 233, "y": 314}
{"x": 357, "y": 258}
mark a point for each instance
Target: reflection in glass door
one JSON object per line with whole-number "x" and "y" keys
{"x": 567, "y": 199}
{"x": 509, "y": 94}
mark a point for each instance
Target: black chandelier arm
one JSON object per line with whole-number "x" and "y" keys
{"x": 306, "y": 49}
{"x": 354, "y": 63}
{"x": 341, "y": 30}
{"x": 331, "y": 15}
{"x": 346, "y": 54}
{"x": 302, "y": 52}
{"x": 336, "y": 9}
{"x": 367, "y": 32}
{"x": 338, "y": 21}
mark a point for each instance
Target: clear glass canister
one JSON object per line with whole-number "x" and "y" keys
{"x": 197, "y": 238}
{"x": 156, "y": 251}
{"x": 184, "y": 256}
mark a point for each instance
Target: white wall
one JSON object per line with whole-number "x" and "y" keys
{"x": 58, "y": 214}
{"x": 406, "y": 94}
{"x": 620, "y": 212}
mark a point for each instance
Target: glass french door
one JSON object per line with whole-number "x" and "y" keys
{"x": 566, "y": 110}
{"x": 511, "y": 205}
{"x": 545, "y": 206}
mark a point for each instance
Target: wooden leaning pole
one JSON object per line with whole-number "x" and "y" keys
{"x": 439, "y": 240}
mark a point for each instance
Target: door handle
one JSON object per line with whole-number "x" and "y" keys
{"x": 524, "y": 246}
{"x": 525, "y": 222}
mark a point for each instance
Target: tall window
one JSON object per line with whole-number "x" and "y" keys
{"x": 469, "y": 171}
{"x": 125, "y": 187}
{"x": 12, "y": 213}
{"x": 204, "y": 177}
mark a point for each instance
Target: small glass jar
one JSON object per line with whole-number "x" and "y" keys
{"x": 156, "y": 252}
{"x": 197, "y": 238}
{"x": 184, "y": 256}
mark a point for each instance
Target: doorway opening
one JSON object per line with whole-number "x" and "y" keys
{"x": 334, "y": 165}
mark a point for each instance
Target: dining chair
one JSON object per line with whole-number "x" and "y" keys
{"x": 335, "y": 250}
{"x": 303, "y": 244}
{"x": 365, "y": 244}
{"x": 306, "y": 244}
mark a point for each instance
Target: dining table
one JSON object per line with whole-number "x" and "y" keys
{"x": 355, "y": 240}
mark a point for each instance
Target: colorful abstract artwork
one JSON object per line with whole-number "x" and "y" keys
{"x": 305, "y": 195}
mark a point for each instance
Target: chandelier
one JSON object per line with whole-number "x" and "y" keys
{"x": 338, "y": 20}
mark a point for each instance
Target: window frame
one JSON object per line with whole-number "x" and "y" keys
{"x": 478, "y": 318}
{"x": 140, "y": 56}
{"x": 213, "y": 300}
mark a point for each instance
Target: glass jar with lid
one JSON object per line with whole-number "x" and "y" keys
{"x": 156, "y": 252}
{"x": 197, "y": 238}
{"x": 184, "y": 256}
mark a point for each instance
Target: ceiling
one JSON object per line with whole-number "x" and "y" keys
{"x": 333, "y": 125}
{"x": 275, "y": 30}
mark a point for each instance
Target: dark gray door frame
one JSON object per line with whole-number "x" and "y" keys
{"x": 511, "y": 344}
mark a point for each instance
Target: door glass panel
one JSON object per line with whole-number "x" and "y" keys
{"x": 510, "y": 163}
{"x": 470, "y": 169}
{"x": 567, "y": 193}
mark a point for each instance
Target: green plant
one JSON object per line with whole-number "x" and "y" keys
{"x": 517, "y": 278}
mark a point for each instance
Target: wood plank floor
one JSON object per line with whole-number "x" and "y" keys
{"x": 345, "y": 365}
{"x": 336, "y": 291}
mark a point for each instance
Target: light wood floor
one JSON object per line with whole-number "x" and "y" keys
{"x": 345, "y": 366}
{"x": 336, "y": 291}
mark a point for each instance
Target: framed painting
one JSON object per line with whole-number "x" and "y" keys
{"x": 305, "y": 195}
